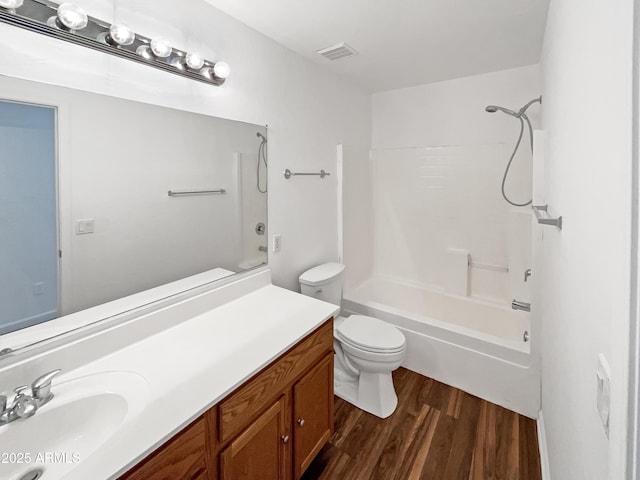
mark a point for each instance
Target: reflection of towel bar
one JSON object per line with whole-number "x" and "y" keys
{"x": 543, "y": 219}
{"x": 486, "y": 266}
{"x": 196, "y": 192}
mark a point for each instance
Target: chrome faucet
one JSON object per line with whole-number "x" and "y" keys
{"x": 26, "y": 405}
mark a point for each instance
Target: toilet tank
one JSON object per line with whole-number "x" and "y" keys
{"x": 323, "y": 282}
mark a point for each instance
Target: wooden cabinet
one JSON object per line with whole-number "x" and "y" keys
{"x": 258, "y": 453}
{"x": 182, "y": 457}
{"x": 313, "y": 414}
{"x": 271, "y": 427}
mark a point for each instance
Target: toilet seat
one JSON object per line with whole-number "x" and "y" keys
{"x": 371, "y": 335}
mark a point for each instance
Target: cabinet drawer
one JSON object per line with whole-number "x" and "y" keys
{"x": 249, "y": 400}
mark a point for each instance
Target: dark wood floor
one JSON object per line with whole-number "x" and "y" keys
{"x": 436, "y": 433}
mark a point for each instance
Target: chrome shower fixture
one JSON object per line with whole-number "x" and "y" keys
{"x": 520, "y": 115}
{"x": 262, "y": 160}
{"x": 71, "y": 23}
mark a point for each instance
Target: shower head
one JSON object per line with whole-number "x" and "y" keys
{"x": 258, "y": 134}
{"x": 518, "y": 114}
{"x": 495, "y": 108}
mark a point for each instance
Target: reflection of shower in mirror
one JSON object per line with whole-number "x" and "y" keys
{"x": 262, "y": 158}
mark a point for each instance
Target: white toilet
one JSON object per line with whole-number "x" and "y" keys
{"x": 367, "y": 349}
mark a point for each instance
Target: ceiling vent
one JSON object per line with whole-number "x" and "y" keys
{"x": 335, "y": 52}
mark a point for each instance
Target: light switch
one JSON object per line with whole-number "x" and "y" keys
{"x": 84, "y": 226}
{"x": 603, "y": 376}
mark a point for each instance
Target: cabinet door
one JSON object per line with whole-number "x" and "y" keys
{"x": 313, "y": 414}
{"x": 260, "y": 452}
{"x": 182, "y": 458}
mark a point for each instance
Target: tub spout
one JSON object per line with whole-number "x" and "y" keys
{"x": 517, "y": 305}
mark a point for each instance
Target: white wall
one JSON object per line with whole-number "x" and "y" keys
{"x": 582, "y": 285}
{"x": 438, "y": 161}
{"x": 308, "y": 110}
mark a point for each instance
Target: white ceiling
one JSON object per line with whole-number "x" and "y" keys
{"x": 403, "y": 42}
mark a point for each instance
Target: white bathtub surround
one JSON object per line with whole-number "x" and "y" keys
{"x": 210, "y": 344}
{"x": 431, "y": 202}
{"x": 456, "y": 272}
{"x": 252, "y": 207}
{"x": 475, "y": 346}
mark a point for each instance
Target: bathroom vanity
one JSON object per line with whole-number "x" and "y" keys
{"x": 270, "y": 427}
{"x": 229, "y": 380}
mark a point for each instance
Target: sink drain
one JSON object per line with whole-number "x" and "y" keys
{"x": 34, "y": 474}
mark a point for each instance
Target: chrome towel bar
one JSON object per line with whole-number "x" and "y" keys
{"x": 544, "y": 219}
{"x": 288, "y": 174}
{"x": 196, "y": 192}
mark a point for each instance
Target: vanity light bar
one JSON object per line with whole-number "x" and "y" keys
{"x": 58, "y": 20}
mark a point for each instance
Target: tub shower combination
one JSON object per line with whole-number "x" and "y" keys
{"x": 472, "y": 336}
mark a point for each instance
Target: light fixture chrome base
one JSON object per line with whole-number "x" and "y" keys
{"x": 36, "y": 15}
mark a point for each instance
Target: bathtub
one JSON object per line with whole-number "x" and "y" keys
{"x": 481, "y": 347}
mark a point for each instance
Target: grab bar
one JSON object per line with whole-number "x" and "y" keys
{"x": 544, "y": 220}
{"x": 196, "y": 192}
{"x": 288, "y": 174}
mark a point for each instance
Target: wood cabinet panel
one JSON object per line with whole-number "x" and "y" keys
{"x": 259, "y": 452}
{"x": 183, "y": 457}
{"x": 236, "y": 411}
{"x": 313, "y": 414}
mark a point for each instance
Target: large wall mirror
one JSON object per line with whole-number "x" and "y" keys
{"x": 102, "y": 198}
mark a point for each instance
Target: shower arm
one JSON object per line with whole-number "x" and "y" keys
{"x": 524, "y": 109}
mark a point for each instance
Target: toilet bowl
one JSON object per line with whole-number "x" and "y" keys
{"x": 367, "y": 349}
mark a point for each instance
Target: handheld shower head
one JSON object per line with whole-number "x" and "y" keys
{"x": 258, "y": 134}
{"x": 518, "y": 114}
{"x": 495, "y": 108}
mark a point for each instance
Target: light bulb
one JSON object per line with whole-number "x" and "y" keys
{"x": 194, "y": 61}
{"x": 12, "y": 4}
{"x": 72, "y": 16}
{"x": 160, "y": 48}
{"x": 221, "y": 70}
{"x": 145, "y": 52}
{"x": 121, "y": 34}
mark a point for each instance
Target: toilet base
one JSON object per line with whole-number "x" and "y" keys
{"x": 372, "y": 392}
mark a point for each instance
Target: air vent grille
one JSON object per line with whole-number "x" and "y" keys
{"x": 335, "y": 52}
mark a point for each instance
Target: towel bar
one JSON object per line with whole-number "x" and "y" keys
{"x": 544, "y": 220}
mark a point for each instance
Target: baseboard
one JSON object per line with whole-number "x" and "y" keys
{"x": 542, "y": 446}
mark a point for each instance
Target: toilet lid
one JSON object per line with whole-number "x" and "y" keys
{"x": 371, "y": 334}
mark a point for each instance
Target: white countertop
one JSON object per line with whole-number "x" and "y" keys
{"x": 192, "y": 366}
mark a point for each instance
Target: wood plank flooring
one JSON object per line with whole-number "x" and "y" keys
{"x": 437, "y": 433}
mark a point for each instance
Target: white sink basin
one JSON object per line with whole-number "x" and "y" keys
{"x": 84, "y": 413}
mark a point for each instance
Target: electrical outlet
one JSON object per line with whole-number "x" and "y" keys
{"x": 38, "y": 288}
{"x": 277, "y": 243}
